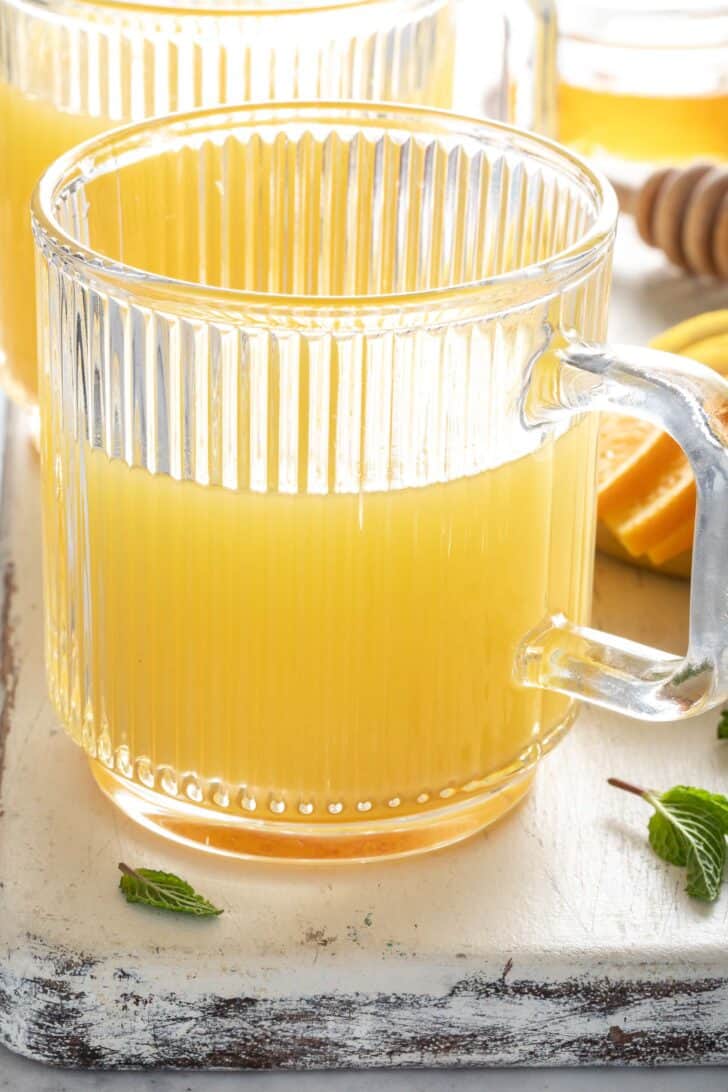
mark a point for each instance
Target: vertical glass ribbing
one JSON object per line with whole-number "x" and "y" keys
{"x": 343, "y": 508}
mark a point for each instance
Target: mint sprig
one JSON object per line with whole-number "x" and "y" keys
{"x": 688, "y": 829}
{"x": 723, "y": 724}
{"x": 164, "y": 891}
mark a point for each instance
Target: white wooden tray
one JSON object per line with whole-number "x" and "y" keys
{"x": 554, "y": 938}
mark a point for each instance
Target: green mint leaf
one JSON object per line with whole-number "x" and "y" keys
{"x": 163, "y": 890}
{"x": 723, "y": 724}
{"x": 714, "y": 802}
{"x": 690, "y": 671}
{"x": 666, "y": 841}
{"x": 688, "y": 832}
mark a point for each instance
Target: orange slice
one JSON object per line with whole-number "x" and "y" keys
{"x": 657, "y": 510}
{"x": 623, "y": 441}
{"x": 646, "y": 490}
{"x": 674, "y": 545}
{"x": 608, "y": 544}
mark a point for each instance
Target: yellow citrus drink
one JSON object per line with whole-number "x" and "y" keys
{"x": 32, "y": 135}
{"x": 328, "y": 652}
{"x": 643, "y": 128}
{"x": 297, "y": 530}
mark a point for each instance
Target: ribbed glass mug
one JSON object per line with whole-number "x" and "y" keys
{"x": 70, "y": 69}
{"x": 319, "y": 472}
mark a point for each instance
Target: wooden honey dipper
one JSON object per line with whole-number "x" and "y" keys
{"x": 684, "y": 212}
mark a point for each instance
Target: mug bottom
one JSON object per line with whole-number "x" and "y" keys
{"x": 260, "y": 839}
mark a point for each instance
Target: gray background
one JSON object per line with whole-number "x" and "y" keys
{"x": 19, "y": 1075}
{"x": 22, "y": 1076}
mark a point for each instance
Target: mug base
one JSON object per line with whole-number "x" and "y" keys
{"x": 260, "y": 839}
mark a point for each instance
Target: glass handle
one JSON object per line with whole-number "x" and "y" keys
{"x": 691, "y": 403}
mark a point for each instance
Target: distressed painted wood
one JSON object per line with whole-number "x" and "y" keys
{"x": 554, "y": 938}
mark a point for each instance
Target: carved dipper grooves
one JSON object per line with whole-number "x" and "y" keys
{"x": 684, "y": 212}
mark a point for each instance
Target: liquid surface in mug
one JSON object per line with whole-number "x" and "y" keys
{"x": 347, "y": 648}
{"x": 647, "y": 129}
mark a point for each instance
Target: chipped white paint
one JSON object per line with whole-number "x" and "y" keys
{"x": 556, "y": 937}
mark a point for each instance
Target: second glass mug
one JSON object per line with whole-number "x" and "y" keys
{"x": 70, "y": 69}
{"x": 319, "y": 472}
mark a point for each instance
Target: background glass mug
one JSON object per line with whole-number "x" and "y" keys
{"x": 318, "y": 489}
{"x": 70, "y": 69}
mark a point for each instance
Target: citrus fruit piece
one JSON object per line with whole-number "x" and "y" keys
{"x": 675, "y": 544}
{"x": 608, "y": 544}
{"x": 646, "y": 490}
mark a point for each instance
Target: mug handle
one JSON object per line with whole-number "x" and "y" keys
{"x": 690, "y": 402}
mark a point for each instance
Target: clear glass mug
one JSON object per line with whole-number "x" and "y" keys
{"x": 70, "y": 69}
{"x": 318, "y": 465}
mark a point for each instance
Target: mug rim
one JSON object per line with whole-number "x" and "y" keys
{"x": 247, "y": 9}
{"x": 640, "y": 25}
{"x": 505, "y": 291}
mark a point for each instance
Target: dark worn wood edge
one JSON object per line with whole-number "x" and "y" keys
{"x": 8, "y": 590}
{"x": 8, "y": 664}
{"x": 51, "y": 1012}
